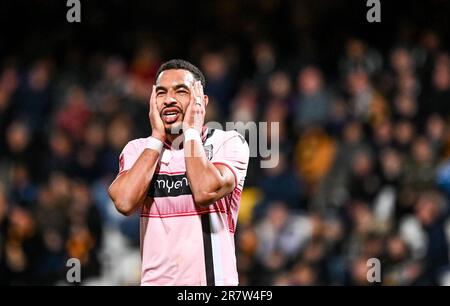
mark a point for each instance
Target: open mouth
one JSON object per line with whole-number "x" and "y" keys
{"x": 170, "y": 114}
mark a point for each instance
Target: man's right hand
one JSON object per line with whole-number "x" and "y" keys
{"x": 156, "y": 122}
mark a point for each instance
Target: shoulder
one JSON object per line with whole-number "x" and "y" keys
{"x": 229, "y": 144}
{"x": 220, "y": 137}
{"x": 135, "y": 146}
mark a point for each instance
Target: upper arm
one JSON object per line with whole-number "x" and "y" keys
{"x": 230, "y": 160}
{"x": 127, "y": 158}
{"x": 224, "y": 185}
{"x": 227, "y": 180}
{"x": 232, "y": 157}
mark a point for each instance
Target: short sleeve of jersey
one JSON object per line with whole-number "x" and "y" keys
{"x": 234, "y": 154}
{"x": 127, "y": 157}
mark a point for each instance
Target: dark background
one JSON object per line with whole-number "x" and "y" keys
{"x": 314, "y": 30}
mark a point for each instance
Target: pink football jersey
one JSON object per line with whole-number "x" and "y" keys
{"x": 181, "y": 243}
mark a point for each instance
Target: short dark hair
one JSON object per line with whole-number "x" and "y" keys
{"x": 182, "y": 64}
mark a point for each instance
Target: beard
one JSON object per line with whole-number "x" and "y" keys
{"x": 175, "y": 128}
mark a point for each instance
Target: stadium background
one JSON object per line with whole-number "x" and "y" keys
{"x": 364, "y": 133}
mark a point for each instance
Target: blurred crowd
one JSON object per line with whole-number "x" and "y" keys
{"x": 363, "y": 172}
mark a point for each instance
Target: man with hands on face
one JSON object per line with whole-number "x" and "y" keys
{"x": 187, "y": 180}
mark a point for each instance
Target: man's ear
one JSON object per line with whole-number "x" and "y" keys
{"x": 206, "y": 99}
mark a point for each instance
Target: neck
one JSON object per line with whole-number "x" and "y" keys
{"x": 171, "y": 137}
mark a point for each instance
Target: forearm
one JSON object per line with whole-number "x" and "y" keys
{"x": 205, "y": 180}
{"x": 130, "y": 189}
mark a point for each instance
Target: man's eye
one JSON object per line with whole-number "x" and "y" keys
{"x": 182, "y": 92}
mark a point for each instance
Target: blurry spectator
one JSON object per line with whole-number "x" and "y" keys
{"x": 338, "y": 117}
{"x": 392, "y": 168}
{"x": 60, "y": 157}
{"x": 52, "y": 222}
{"x": 265, "y": 62}
{"x": 75, "y": 114}
{"x": 358, "y": 272}
{"x": 88, "y": 159}
{"x": 303, "y": 275}
{"x": 36, "y": 97}
{"x": 405, "y": 107}
{"x": 220, "y": 81}
{"x": 366, "y": 103}
{"x": 19, "y": 147}
{"x": 373, "y": 245}
{"x": 333, "y": 188}
{"x": 443, "y": 177}
{"x": 363, "y": 183}
{"x": 23, "y": 191}
{"x": 22, "y": 247}
{"x": 353, "y": 141}
{"x": 118, "y": 134}
{"x": 143, "y": 68}
{"x": 111, "y": 86}
{"x": 280, "y": 237}
{"x": 435, "y": 129}
{"x": 4, "y": 226}
{"x": 428, "y": 46}
{"x": 314, "y": 156}
{"x": 424, "y": 232}
{"x": 359, "y": 56}
{"x": 383, "y": 135}
{"x": 420, "y": 171}
{"x": 315, "y": 256}
{"x": 279, "y": 87}
{"x": 440, "y": 94}
{"x": 280, "y": 184}
{"x": 244, "y": 105}
{"x": 8, "y": 101}
{"x": 401, "y": 61}
{"x": 399, "y": 269}
{"x": 277, "y": 112}
{"x": 363, "y": 223}
{"x": 408, "y": 85}
{"x": 404, "y": 133}
{"x": 85, "y": 236}
{"x": 313, "y": 102}
{"x": 246, "y": 243}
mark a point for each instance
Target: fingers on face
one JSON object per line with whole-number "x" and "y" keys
{"x": 193, "y": 92}
{"x": 153, "y": 96}
{"x": 197, "y": 90}
{"x": 200, "y": 89}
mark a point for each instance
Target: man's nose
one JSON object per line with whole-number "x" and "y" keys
{"x": 170, "y": 99}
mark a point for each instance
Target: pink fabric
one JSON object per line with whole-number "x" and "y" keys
{"x": 172, "y": 245}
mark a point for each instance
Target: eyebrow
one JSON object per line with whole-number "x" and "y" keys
{"x": 176, "y": 87}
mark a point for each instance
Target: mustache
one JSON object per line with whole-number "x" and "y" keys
{"x": 171, "y": 106}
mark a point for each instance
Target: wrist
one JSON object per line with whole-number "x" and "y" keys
{"x": 193, "y": 124}
{"x": 160, "y": 137}
{"x": 154, "y": 143}
{"x": 192, "y": 134}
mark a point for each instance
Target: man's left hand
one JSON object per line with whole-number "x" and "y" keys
{"x": 195, "y": 113}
